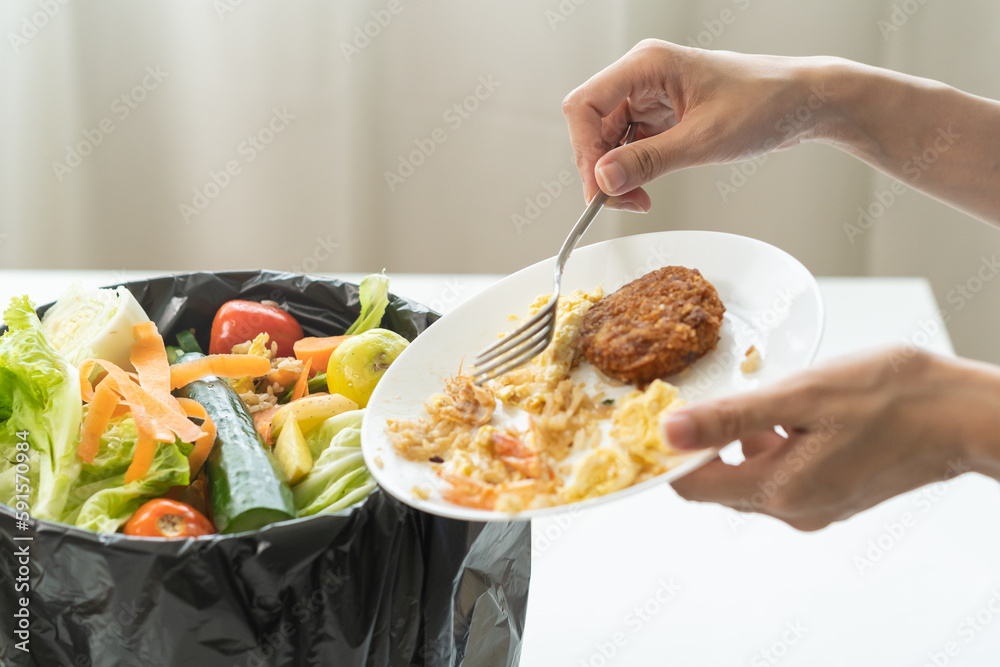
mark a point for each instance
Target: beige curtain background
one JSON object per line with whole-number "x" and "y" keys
{"x": 324, "y": 136}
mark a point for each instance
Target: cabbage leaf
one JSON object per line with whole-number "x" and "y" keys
{"x": 338, "y": 478}
{"x": 93, "y": 323}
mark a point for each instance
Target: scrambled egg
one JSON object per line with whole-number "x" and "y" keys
{"x": 638, "y": 452}
{"x": 561, "y": 355}
{"x": 602, "y": 471}
{"x": 636, "y": 422}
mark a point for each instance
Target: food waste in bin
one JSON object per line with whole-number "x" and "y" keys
{"x": 217, "y": 419}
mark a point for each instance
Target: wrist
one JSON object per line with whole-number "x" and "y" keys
{"x": 973, "y": 414}
{"x": 854, "y": 96}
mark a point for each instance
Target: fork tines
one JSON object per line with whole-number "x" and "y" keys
{"x": 517, "y": 347}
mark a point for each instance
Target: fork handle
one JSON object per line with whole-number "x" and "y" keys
{"x": 581, "y": 226}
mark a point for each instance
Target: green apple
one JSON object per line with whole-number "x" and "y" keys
{"x": 359, "y": 362}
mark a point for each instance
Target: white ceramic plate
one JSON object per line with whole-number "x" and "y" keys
{"x": 771, "y": 300}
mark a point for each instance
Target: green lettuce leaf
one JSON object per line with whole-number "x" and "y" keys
{"x": 374, "y": 296}
{"x": 339, "y": 477}
{"x": 39, "y": 397}
{"x": 10, "y": 480}
{"x": 101, "y": 501}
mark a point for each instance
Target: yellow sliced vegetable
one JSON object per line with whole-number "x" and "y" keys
{"x": 292, "y": 451}
{"x": 310, "y": 411}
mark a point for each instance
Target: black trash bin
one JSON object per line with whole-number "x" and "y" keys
{"x": 379, "y": 584}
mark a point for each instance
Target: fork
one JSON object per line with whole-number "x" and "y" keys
{"x": 534, "y": 335}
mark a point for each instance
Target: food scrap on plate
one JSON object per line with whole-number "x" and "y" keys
{"x": 536, "y": 436}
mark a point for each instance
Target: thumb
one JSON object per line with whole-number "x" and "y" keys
{"x": 631, "y": 166}
{"x": 720, "y": 422}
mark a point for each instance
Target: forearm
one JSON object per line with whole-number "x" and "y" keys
{"x": 932, "y": 137}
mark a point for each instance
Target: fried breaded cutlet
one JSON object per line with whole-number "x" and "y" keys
{"x": 654, "y": 326}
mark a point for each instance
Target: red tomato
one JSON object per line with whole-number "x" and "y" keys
{"x": 239, "y": 321}
{"x": 168, "y": 518}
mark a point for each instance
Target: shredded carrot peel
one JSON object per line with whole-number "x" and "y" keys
{"x": 302, "y": 384}
{"x": 203, "y": 445}
{"x": 118, "y": 381}
{"x": 100, "y": 412}
{"x": 262, "y": 422}
{"x": 159, "y": 416}
{"x": 221, "y": 365}
{"x": 149, "y": 357}
{"x": 142, "y": 459}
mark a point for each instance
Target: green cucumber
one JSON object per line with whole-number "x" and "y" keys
{"x": 247, "y": 488}
{"x": 186, "y": 341}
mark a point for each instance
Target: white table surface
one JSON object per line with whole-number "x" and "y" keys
{"x": 654, "y": 580}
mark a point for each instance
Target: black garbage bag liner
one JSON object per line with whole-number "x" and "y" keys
{"x": 379, "y": 584}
